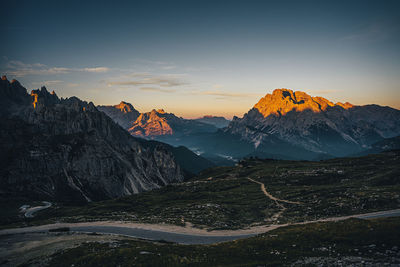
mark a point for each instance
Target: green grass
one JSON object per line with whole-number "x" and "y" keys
{"x": 372, "y": 241}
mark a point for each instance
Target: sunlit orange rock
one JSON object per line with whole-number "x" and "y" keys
{"x": 34, "y": 95}
{"x": 124, "y": 107}
{"x": 151, "y": 124}
{"x": 282, "y": 101}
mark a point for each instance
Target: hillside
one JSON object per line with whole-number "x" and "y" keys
{"x": 219, "y": 122}
{"x": 233, "y": 198}
{"x": 314, "y": 124}
{"x": 67, "y": 150}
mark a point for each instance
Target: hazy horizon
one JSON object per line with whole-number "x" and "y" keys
{"x": 204, "y": 57}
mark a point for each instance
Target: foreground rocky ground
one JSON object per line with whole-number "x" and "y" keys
{"x": 353, "y": 242}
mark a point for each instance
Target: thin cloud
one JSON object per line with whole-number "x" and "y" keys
{"x": 48, "y": 83}
{"x": 96, "y": 69}
{"x": 154, "y": 89}
{"x": 72, "y": 84}
{"x": 20, "y": 64}
{"x": 20, "y": 69}
{"x": 373, "y": 32}
{"x": 225, "y": 94}
{"x": 160, "y": 64}
{"x": 151, "y": 80}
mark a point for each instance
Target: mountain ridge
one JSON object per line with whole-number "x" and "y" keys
{"x": 282, "y": 101}
{"x": 67, "y": 150}
{"x": 217, "y": 121}
{"x": 315, "y": 123}
{"x": 155, "y": 123}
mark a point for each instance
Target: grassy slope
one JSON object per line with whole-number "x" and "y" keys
{"x": 354, "y": 240}
{"x": 223, "y": 197}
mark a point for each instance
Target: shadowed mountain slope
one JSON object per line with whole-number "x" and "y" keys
{"x": 67, "y": 150}
{"x": 314, "y": 124}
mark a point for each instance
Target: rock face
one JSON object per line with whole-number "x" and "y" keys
{"x": 165, "y": 127}
{"x": 314, "y": 124}
{"x": 386, "y": 144}
{"x": 67, "y": 150}
{"x": 283, "y": 101}
{"x": 124, "y": 113}
{"x": 158, "y": 123}
{"x": 219, "y": 122}
{"x": 154, "y": 124}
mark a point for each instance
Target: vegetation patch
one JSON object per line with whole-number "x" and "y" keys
{"x": 225, "y": 197}
{"x": 347, "y": 242}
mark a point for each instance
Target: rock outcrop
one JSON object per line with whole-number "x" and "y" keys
{"x": 67, "y": 150}
{"x": 315, "y": 124}
{"x": 160, "y": 123}
{"x": 124, "y": 113}
{"x": 154, "y": 124}
{"x": 165, "y": 127}
{"x": 282, "y": 101}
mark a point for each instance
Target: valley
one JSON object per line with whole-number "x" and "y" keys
{"x": 227, "y": 198}
{"x": 285, "y": 124}
{"x": 200, "y": 133}
{"x": 91, "y": 194}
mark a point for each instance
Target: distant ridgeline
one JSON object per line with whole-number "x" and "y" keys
{"x": 67, "y": 150}
{"x": 282, "y": 125}
{"x": 314, "y": 124}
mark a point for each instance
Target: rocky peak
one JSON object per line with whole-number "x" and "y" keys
{"x": 217, "y": 121}
{"x": 158, "y": 111}
{"x": 123, "y": 113}
{"x": 42, "y": 97}
{"x": 67, "y": 150}
{"x": 12, "y": 94}
{"x": 282, "y": 101}
{"x": 346, "y": 105}
{"x": 78, "y": 105}
{"x": 151, "y": 124}
{"x": 125, "y": 107}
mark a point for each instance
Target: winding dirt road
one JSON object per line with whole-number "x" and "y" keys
{"x": 29, "y": 213}
{"x": 271, "y": 196}
{"x": 187, "y": 234}
{"x": 277, "y": 201}
{"x": 179, "y": 234}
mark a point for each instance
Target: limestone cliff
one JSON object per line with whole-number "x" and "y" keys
{"x": 67, "y": 150}
{"x": 314, "y": 124}
{"x": 282, "y": 101}
{"x": 124, "y": 113}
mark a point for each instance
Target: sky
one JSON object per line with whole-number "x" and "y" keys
{"x": 196, "y": 58}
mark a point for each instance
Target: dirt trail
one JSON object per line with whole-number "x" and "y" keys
{"x": 190, "y": 229}
{"x": 271, "y": 196}
{"x": 275, "y": 199}
{"x": 29, "y": 212}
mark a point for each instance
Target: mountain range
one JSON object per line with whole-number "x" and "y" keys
{"x": 156, "y": 123}
{"x": 314, "y": 124}
{"x": 70, "y": 150}
{"x": 282, "y": 125}
{"x": 219, "y": 122}
{"x": 66, "y": 150}
{"x": 386, "y": 144}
